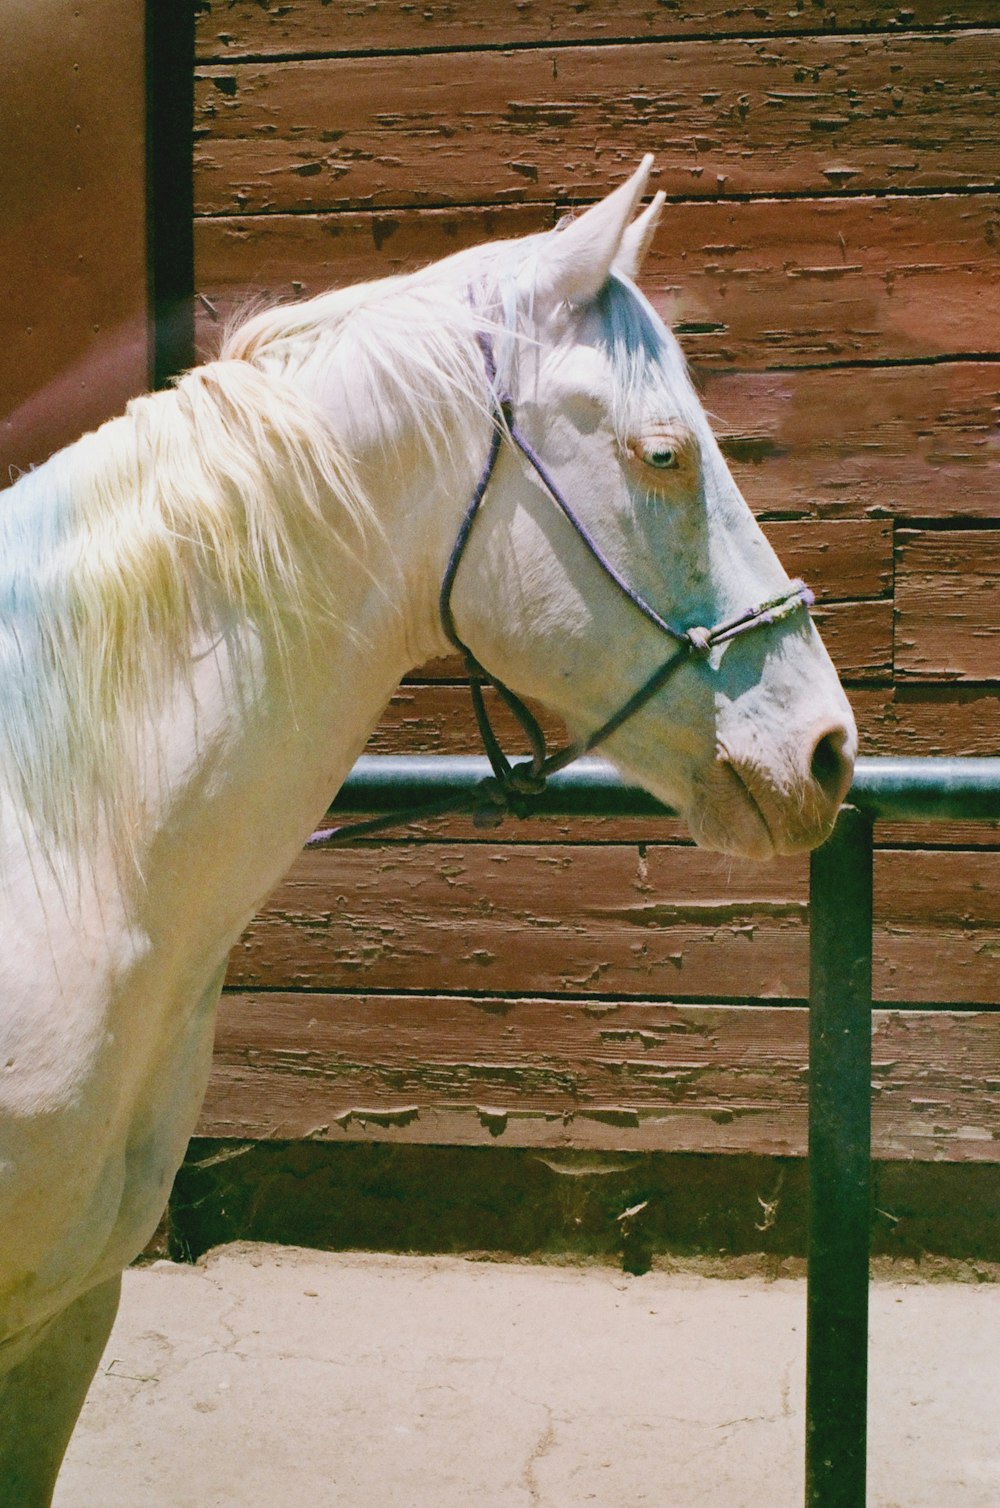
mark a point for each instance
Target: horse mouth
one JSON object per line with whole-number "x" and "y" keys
{"x": 765, "y": 822}
{"x": 728, "y": 817}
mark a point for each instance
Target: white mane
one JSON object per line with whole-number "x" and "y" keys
{"x": 226, "y": 492}
{"x": 410, "y": 341}
{"x": 221, "y": 494}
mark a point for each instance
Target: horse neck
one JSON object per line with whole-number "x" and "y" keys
{"x": 419, "y": 475}
{"x": 231, "y": 817}
{"x": 279, "y": 755}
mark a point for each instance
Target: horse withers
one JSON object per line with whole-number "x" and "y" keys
{"x": 206, "y": 605}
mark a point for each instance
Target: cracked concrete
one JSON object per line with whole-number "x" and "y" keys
{"x": 269, "y": 1375}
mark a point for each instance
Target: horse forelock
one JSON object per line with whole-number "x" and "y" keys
{"x": 644, "y": 359}
{"x": 222, "y": 499}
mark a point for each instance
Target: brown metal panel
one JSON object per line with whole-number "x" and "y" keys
{"x": 73, "y": 224}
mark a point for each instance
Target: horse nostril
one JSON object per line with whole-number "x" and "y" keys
{"x": 832, "y": 768}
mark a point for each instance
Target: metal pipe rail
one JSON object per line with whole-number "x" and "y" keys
{"x": 840, "y": 999}
{"x": 899, "y": 790}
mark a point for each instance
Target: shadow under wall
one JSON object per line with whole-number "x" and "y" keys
{"x": 513, "y": 1202}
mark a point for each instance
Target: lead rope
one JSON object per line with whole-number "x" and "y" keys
{"x": 511, "y": 787}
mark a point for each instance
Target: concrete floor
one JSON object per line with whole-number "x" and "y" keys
{"x": 270, "y": 1377}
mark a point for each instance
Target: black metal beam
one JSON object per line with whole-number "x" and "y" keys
{"x": 170, "y": 39}
{"x": 840, "y": 1002}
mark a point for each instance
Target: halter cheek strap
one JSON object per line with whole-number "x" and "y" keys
{"x": 513, "y": 785}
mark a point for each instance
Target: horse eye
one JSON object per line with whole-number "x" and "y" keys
{"x": 662, "y": 459}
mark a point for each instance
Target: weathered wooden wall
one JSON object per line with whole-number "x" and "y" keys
{"x": 829, "y": 259}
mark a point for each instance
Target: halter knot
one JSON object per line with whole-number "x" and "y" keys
{"x": 700, "y": 640}
{"x": 525, "y": 780}
{"x": 510, "y": 796}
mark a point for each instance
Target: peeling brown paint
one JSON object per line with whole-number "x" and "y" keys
{"x": 748, "y": 1091}
{"x": 474, "y": 106}
{"x": 776, "y": 302}
{"x": 495, "y": 1121}
{"x": 402, "y": 1116}
{"x": 248, "y": 28}
{"x": 948, "y": 605}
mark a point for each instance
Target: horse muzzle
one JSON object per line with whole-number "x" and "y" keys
{"x": 785, "y": 804}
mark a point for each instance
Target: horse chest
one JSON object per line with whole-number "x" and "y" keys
{"x": 99, "y": 1094}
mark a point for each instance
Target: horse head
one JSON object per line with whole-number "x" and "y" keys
{"x": 608, "y": 532}
{"x": 752, "y": 740}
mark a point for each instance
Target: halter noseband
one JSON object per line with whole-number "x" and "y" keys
{"x": 513, "y": 785}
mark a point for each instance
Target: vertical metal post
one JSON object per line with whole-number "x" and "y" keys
{"x": 170, "y": 56}
{"x": 839, "y": 1163}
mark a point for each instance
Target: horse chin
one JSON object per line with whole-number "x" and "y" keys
{"x": 739, "y": 811}
{"x": 721, "y": 812}
{"x": 726, "y": 818}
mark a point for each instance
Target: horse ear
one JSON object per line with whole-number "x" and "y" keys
{"x": 638, "y": 238}
{"x": 575, "y": 264}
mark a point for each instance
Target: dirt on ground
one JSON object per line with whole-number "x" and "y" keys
{"x": 266, "y": 1375}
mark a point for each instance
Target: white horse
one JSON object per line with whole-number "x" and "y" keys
{"x": 206, "y": 605}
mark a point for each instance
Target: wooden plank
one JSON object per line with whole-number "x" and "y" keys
{"x": 915, "y": 442}
{"x": 523, "y": 918}
{"x": 238, "y": 258}
{"x": 275, "y": 28}
{"x": 631, "y": 1076}
{"x": 823, "y": 281}
{"x": 753, "y": 284}
{"x": 937, "y": 834}
{"x": 858, "y": 636}
{"x": 842, "y": 559}
{"x": 947, "y": 890}
{"x": 917, "y": 720}
{"x": 948, "y": 605}
{"x": 610, "y": 920}
{"x": 788, "y": 115}
{"x": 911, "y": 720}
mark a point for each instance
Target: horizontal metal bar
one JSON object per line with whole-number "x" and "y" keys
{"x": 922, "y": 790}
{"x": 913, "y": 790}
{"x": 382, "y": 782}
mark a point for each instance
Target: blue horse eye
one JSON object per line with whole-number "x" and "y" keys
{"x": 662, "y": 459}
